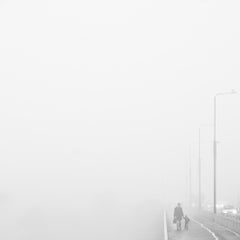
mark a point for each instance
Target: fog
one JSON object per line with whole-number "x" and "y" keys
{"x": 100, "y": 102}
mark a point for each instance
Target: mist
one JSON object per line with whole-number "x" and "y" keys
{"x": 99, "y": 105}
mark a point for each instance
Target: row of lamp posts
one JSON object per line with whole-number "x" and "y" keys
{"x": 214, "y": 156}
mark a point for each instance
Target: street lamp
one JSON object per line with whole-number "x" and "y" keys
{"x": 199, "y": 168}
{"x": 199, "y": 164}
{"x": 190, "y": 177}
{"x": 215, "y": 146}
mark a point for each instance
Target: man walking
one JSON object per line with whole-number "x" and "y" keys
{"x": 178, "y": 215}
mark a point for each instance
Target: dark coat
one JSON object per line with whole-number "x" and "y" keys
{"x": 178, "y": 213}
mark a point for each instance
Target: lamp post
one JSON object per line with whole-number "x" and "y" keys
{"x": 190, "y": 177}
{"x": 200, "y": 165}
{"x": 199, "y": 169}
{"x": 215, "y": 147}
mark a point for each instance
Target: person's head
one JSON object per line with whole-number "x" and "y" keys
{"x": 179, "y": 204}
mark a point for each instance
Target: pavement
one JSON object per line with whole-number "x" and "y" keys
{"x": 201, "y": 228}
{"x": 195, "y": 232}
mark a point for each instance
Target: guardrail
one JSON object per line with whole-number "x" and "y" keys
{"x": 230, "y": 222}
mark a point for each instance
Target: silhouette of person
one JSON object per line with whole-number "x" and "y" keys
{"x": 187, "y": 220}
{"x": 178, "y": 215}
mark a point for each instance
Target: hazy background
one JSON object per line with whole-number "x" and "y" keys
{"x": 99, "y": 103}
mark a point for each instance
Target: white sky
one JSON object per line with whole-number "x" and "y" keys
{"x": 105, "y": 97}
